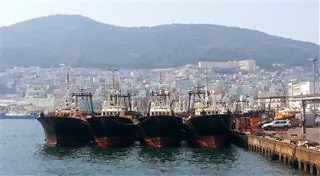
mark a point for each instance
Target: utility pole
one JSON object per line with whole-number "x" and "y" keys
{"x": 303, "y": 116}
{"x": 314, "y": 60}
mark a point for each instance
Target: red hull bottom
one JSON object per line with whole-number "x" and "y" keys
{"x": 105, "y": 142}
{"x": 52, "y": 140}
{"x": 159, "y": 142}
{"x": 214, "y": 141}
{"x": 64, "y": 141}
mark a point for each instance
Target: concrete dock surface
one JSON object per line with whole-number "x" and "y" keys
{"x": 279, "y": 145}
{"x": 312, "y": 134}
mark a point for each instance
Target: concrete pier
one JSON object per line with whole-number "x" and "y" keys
{"x": 302, "y": 158}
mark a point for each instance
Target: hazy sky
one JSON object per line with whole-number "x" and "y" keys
{"x": 296, "y": 19}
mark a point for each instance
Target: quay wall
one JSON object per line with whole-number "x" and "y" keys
{"x": 302, "y": 158}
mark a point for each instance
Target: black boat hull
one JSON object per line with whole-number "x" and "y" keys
{"x": 209, "y": 131}
{"x": 113, "y": 131}
{"x": 161, "y": 131}
{"x": 66, "y": 131}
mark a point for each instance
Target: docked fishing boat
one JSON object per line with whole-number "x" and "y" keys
{"x": 207, "y": 126}
{"x": 114, "y": 126}
{"x": 68, "y": 125}
{"x": 161, "y": 127}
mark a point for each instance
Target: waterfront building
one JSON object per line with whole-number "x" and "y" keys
{"x": 37, "y": 96}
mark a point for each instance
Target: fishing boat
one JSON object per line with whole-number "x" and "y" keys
{"x": 161, "y": 127}
{"x": 68, "y": 125}
{"x": 208, "y": 126}
{"x": 114, "y": 126}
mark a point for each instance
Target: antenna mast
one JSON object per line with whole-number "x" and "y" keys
{"x": 206, "y": 88}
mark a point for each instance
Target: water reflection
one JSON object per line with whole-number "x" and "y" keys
{"x": 26, "y": 154}
{"x": 109, "y": 153}
{"x": 59, "y": 152}
{"x": 158, "y": 154}
{"x": 222, "y": 155}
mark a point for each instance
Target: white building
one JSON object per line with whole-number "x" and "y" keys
{"x": 301, "y": 88}
{"x": 217, "y": 64}
{"x": 38, "y": 98}
{"x": 248, "y": 65}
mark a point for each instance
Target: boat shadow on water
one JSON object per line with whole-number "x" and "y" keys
{"x": 62, "y": 152}
{"x": 159, "y": 154}
{"x": 110, "y": 153}
{"x": 220, "y": 155}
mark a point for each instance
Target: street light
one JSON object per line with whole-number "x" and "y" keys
{"x": 314, "y": 60}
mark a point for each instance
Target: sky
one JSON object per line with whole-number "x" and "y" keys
{"x": 294, "y": 19}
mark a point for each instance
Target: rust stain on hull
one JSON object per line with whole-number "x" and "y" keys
{"x": 213, "y": 141}
{"x": 64, "y": 141}
{"x": 159, "y": 142}
{"x": 105, "y": 142}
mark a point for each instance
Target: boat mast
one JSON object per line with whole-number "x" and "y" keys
{"x": 67, "y": 86}
{"x": 206, "y": 89}
{"x": 113, "y": 92}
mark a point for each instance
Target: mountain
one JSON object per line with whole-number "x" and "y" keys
{"x": 80, "y": 41}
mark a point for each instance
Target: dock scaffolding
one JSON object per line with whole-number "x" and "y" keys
{"x": 305, "y": 99}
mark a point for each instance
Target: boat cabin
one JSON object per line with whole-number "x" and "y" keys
{"x": 110, "y": 108}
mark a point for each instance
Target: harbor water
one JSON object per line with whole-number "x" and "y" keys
{"x": 23, "y": 152}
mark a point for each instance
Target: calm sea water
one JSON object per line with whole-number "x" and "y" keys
{"x": 23, "y": 152}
